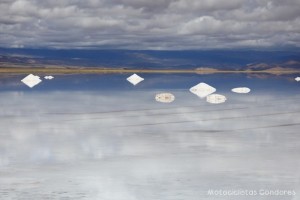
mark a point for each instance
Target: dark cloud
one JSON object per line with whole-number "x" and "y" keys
{"x": 143, "y": 24}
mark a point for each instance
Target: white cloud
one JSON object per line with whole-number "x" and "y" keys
{"x": 141, "y": 24}
{"x": 206, "y": 5}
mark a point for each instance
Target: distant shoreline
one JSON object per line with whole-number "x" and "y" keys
{"x": 88, "y": 70}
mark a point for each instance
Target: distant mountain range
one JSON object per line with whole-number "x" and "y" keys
{"x": 206, "y": 61}
{"x": 16, "y": 63}
{"x": 203, "y": 62}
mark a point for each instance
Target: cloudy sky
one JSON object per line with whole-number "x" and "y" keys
{"x": 144, "y": 24}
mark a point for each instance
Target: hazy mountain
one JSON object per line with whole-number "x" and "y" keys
{"x": 218, "y": 59}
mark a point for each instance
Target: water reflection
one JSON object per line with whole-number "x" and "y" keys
{"x": 122, "y": 144}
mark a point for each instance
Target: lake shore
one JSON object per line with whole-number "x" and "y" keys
{"x": 79, "y": 70}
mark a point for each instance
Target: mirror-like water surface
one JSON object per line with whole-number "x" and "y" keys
{"x": 99, "y": 137}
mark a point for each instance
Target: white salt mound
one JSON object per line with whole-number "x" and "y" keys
{"x": 202, "y": 90}
{"x": 165, "y": 97}
{"x": 216, "y": 99}
{"x": 31, "y": 80}
{"x": 135, "y": 79}
{"x": 241, "y": 90}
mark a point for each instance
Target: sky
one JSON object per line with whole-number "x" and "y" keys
{"x": 144, "y": 24}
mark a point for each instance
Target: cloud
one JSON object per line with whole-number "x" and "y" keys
{"x": 141, "y": 24}
{"x": 206, "y": 5}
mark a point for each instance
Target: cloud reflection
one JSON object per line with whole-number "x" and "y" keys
{"x": 79, "y": 145}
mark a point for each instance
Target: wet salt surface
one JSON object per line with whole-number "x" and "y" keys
{"x": 122, "y": 144}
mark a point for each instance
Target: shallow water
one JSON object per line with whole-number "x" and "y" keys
{"x": 99, "y": 137}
